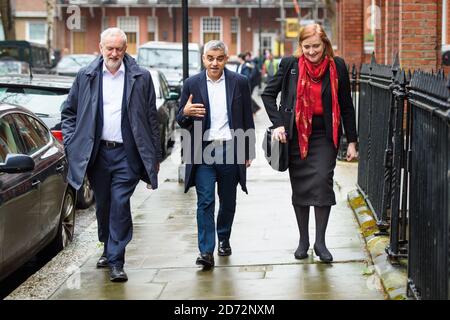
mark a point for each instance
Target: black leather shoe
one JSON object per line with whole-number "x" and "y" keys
{"x": 206, "y": 260}
{"x": 117, "y": 274}
{"x": 323, "y": 253}
{"x": 102, "y": 262}
{"x": 302, "y": 251}
{"x": 224, "y": 248}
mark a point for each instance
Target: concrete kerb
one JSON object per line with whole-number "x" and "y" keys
{"x": 393, "y": 278}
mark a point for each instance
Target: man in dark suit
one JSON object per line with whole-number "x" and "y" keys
{"x": 111, "y": 132}
{"x": 215, "y": 107}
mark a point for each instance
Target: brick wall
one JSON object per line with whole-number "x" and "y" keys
{"x": 31, "y": 5}
{"x": 413, "y": 28}
{"x": 351, "y": 30}
{"x": 420, "y": 34}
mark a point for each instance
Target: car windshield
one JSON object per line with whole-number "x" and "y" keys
{"x": 167, "y": 58}
{"x": 73, "y": 61}
{"x": 40, "y": 101}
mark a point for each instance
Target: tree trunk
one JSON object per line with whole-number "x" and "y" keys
{"x": 8, "y": 19}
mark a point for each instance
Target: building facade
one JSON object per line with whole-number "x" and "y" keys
{"x": 237, "y": 22}
{"x": 30, "y": 20}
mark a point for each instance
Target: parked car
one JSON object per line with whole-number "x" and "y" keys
{"x": 13, "y": 67}
{"x": 36, "y": 55}
{"x": 167, "y": 106}
{"x": 69, "y": 65}
{"x": 37, "y": 206}
{"x": 44, "y": 95}
{"x": 167, "y": 57}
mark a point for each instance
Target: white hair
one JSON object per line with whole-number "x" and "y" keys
{"x": 111, "y": 32}
{"x": 215, "y": 45}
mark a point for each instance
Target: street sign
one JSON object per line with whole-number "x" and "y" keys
{"x": 292, "y": 27}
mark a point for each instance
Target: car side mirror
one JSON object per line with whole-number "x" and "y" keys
{"x": 173, "y": 95}
{"x": 16, "y": 163}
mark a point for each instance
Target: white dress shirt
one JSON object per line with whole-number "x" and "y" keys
{"x": 217, "y": 95}
{"x": 112, "y": 103}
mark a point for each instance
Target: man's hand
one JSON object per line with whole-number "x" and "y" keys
{"x": 248, "y": 163}
{"x": 157, "y": 167}
{"x": 194, "y": 109}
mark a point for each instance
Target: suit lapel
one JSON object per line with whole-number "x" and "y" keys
{"x": 130, "y": 79}
{"x": 94, "y": 88}
{"x": 230, "y": 84}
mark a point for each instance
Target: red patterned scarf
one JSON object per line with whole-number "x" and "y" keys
{"x": 304, "y": 108}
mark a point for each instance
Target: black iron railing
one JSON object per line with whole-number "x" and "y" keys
{"x": 428, "y": 263}
{"x": 404, "y": 169}
{"x": 374, "y": 111}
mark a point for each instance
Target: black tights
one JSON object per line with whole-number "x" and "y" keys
{"x": 302, "y": 214}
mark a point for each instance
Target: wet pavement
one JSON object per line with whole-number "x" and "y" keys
{"x": 160, "y": 259}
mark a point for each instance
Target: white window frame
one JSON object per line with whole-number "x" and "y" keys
{"x": 201, "y": 28}
{"x": 156, "y": 26}
{"x": 27, "y": 31}
{"x": 119, "y": 18}
{"x": 238, "y": 47}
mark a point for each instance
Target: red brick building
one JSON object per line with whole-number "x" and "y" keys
{"x": 30, "y": 19}
{"x": 416, "y": 30}
{"x": 234, "y": 21}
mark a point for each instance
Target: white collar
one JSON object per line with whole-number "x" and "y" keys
{"x": 222, "y": 77}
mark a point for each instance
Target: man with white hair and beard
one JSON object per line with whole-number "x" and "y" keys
{"x": 111, "y": 132}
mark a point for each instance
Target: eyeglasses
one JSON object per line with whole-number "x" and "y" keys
{"x": 219, "y": 58}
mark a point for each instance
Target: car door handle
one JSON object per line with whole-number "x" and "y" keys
{"x": 35, "y": 183}
{"x": 60, "y": 168}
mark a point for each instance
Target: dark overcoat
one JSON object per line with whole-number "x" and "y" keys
{"x": 79, "y": 119}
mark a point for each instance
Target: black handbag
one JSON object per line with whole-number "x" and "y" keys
{"x": 275, "y": 152}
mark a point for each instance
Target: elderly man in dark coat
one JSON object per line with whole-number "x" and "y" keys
{"x": 111, "y": 132}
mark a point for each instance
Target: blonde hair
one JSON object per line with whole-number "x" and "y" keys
{"x": 311, "y": 30}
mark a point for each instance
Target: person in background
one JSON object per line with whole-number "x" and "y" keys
{"x": 315, "y": 102}
{"x": 270, "y": 67}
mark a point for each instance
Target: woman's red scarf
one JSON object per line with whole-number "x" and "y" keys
{"x": 304, "y": 108}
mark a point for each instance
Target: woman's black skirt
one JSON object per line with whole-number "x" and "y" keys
{"x": 312, "y": 178}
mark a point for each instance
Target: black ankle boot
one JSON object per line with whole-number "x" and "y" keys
{"x": 302, "y": 251}
{"x": 323, "y": 253}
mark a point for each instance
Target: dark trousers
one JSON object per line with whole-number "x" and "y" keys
{"x": 113, "y": 183}
{"x": 227, "y": 177}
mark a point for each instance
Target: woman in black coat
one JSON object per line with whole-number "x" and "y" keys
{"x": 315, "y": 103}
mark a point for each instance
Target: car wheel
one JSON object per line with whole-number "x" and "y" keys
{"x": 66, "y": 226}
{"x": 85, "y": 196}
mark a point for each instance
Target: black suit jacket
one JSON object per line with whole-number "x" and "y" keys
{"x": 240, "y": 116}
{"x": 285, "y": 81}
